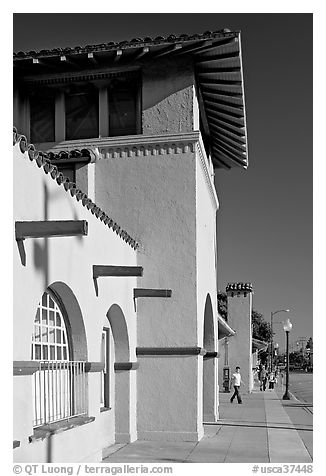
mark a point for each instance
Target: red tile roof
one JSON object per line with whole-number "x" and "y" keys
{"x": 42, "y": 160}
{"x": 217, "y": 60}
{"x": 134, "y": 43}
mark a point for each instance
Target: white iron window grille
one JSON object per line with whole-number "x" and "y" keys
{"x": 59, "y": 386}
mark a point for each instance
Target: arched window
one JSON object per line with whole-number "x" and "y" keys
{"x": 59, "y": 386}
{"x": 49, "y": 339}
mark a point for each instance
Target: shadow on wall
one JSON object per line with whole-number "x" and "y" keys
{"x": 167, "y": 77}
{"x": 49, "y": 448}
{"x": 120, "y": 333}
{"x": 41, "y": 248}
{"x": 209, "y": 331}
{"x": 41, "y": 251}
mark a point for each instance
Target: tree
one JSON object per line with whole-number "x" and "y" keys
{"x": 263, "y": 356}
{"x": 222, "y": 303}
{"x": 309, "y": 345}
{"x": 296, "y": 358}
{"x": 260, "y": 328}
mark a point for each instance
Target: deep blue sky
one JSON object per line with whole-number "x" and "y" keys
{"x": 265, "y": 217}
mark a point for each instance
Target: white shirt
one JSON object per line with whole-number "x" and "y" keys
{"x": 236, "y": 379}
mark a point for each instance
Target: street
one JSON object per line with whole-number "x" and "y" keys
{"x": 301, "y": 386}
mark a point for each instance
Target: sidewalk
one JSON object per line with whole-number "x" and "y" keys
{"x": 264, "y": 429}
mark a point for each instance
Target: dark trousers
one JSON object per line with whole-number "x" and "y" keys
{"x": 236, "y": 394}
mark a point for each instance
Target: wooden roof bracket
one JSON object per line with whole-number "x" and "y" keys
{"x": 100, "y": 271}
{"x": 46, "y": 229}
{"x": 50, "y": 228}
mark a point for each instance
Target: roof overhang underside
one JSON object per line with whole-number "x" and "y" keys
{"x": 224, "y": 330}
{"x": 218, "y": 68}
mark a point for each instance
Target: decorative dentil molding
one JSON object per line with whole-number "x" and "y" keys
{"x": 137, "y": 146}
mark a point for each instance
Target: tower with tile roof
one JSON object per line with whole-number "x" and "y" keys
{"x": 239, "y": 296}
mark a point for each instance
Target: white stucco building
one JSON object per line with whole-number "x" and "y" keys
{"x": 115, "y": 262}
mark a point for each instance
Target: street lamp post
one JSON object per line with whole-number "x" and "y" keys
{"x": 272, "y": 315}
{"x": 287, "y": 326}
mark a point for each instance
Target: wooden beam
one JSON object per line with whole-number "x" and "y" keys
{"x": 118, "y": 366}
{"x": 118, "y": 55}
{"x": 222, "y": 42}
{"x": 46, "y": 229}
{"x": 92, "y": 58}
{"x": 211, "y": 355}
{"x": 73, "y": 160}
{"x": 25, "y": 367}
{"x": 170, "y": 351}
{"x": 232, "y": 121}
{"x": 207, "y": 44}
{"x": 139, "y": 55}
{"x": 65, "y": 59}
{"x": 166, "y": 51}
{"x": 162, "y": 293}
{"x": 116, "y": 271}
{"x": 232, "y": 148}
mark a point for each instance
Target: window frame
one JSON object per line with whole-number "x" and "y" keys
{"x": 103, "y": 106}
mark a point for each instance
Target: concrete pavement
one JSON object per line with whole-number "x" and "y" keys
{"x": 264, "y": 429}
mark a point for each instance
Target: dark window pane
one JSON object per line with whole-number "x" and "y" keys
{"x": 42, "y": 107}
{"x": 37, "y": 355}
{"x": 58, "y": 319}
{"x": 37, "y": 318}
{"x": 81, "y": 104}
{"x": 45, "y": 299}
{"x": 123, "y": 108}
{"x": 45, "y": 352}
{"x": 52, "y": 352}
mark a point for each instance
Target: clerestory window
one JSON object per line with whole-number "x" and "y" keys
{"x": 42, "y": 115}
{"x": 85, "y": 109}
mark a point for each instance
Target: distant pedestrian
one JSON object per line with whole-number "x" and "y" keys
{"x": 271, "y": 380}
{"x": 236, "y": 380}
{"x": 263, "y": 378}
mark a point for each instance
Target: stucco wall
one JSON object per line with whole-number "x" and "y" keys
{"x": 155, "y": 195}
{"x": 70, "y": 260}
{"x": 169, "y": 207}
{"x": 167, "y": 96}
{"x": 206, "y": 207}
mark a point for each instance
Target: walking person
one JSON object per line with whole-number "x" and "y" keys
{"x": 236, "y": 379}
{"x": 263, "y": 378}
{"x": 272, "y": 380}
